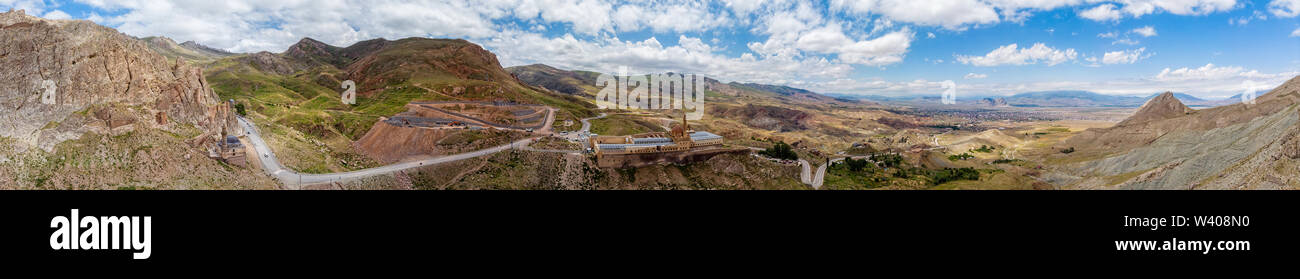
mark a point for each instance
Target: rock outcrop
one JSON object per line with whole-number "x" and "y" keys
{"x": 55, "y": 70}
{"x": 1164, "y": 106}
{"x": 995, "y": 102}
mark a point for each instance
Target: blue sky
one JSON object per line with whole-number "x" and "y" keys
{"x": 1207, "y": 48}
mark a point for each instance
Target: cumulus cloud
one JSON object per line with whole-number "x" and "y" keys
{"x": 950, "y": 14}
{"x": 652, "y": 56}
{"x": 662, "y": 17}
{"x": 1118, "y": 9}
{"x": 1012, "y": 55}
{"x": 1125, "y": 41}
{"x": 1145, "y": 31}
{"x": 31, "y": 7}
{"x": 1284, "y": 8}
{"x": 1295, "y": 33}
{"x": 1104, "y": 12}
{"x": 247, "y": 26}
{"x": 57, "y": 14}
{"x": 1124, "y": 56}
{"x": 804, "y": 30}
{"x": 1212, "y": 72}
{"x": 976, "y": 76}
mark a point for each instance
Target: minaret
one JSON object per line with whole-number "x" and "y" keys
{"x": 686, "y": 127}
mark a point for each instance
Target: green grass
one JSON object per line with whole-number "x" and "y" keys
{"x": 308, "y": 102}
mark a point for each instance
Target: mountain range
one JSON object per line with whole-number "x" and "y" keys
{"x": 1062, "y": 98}
{"x": 189, "y": 50}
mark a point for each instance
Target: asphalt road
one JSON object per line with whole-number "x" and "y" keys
{"x": 294, "y": 180}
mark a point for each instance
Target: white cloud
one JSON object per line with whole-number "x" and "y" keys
{"x": 1125, "y": 41}
{"x": 1110, "y": 35}
{"x": 1222, "y": 84}
{"x": 1295, "y": 33}
{"x": 1124, "y": 56}
{"x": 1212, "y": 72}
{"x": 663, "y": 17}
{"x": 1145, "y": 31}
{"x": 743, "y": 7}
{"x": 651, "y": 56}
{"x": 248, "y": 26}
{"x": 793, "y": 33}
{"x": 1138, "y": 8}
{"x": 950, "y": 14}
{"x": 929, "y": 35}
{"x": 57, "y": 14}
{"x": 1284, "y": 8}
{"x": 1255, "y": 15}
{"x": 1019, "y": 10}
{"x": 1011, "y": 55}
{"x": 31, "y": 7}
{"x": 1104, "y": 12}
{"x": 976, "y": 76}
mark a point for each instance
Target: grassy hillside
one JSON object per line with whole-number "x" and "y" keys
{"x": 294, "y": 97}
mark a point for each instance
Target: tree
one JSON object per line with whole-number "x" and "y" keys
{"x": 780, "y": 150}
{"x": 856, "y": 165}
{"x": 888, "y": 160}
{"x": 239, "y": 108}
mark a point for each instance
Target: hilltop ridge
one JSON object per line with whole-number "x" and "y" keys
{"x": 1163, "y": 106}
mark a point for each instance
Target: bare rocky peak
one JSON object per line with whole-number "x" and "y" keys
{"x": 1164, "y": 106}
{"x": 56, "y": 71}
{"x": 191, "y": 45}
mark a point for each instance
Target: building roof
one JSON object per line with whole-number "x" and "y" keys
{"x": 232, "y": 141}
{"x": 658, "y": 141}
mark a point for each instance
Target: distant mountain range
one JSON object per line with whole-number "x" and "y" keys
{"x": 1062, "y": 98}
{"x": 190, "y": 51}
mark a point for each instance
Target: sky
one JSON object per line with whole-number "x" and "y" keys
{"x": 1207, "y": 48}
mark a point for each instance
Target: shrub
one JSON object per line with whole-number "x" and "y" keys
{"x": 951, "y": 174}
{"x": 856, "y": 165}
{"x": 780, "y": 150}
{"x": 888, "y": 160}
{"x": 963, "y": 156}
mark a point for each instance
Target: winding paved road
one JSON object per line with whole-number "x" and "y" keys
{"x": 586, "y": 124}
{"x": 815, "y": 180}
{"x": 295, "y": 180}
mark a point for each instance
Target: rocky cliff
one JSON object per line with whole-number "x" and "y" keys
{"x": 57, "y": 69}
